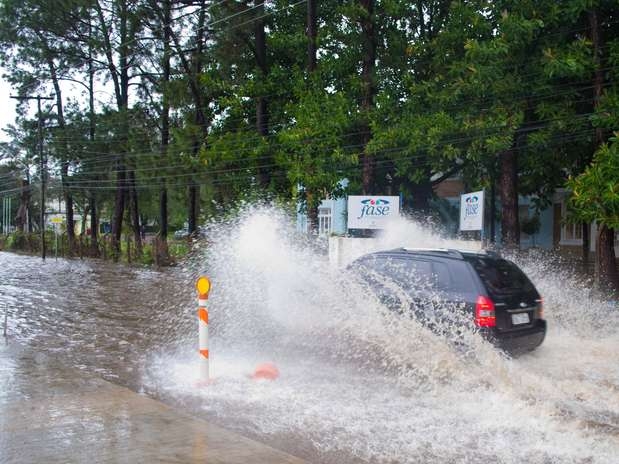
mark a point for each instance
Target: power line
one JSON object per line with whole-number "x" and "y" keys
{"x": 255, "y": 138}
{"x": 254, "y": 163}
{"x": 252, "y": 171}
{"x": 489, "y": 130}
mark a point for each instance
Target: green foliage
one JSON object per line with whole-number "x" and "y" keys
{"x": 31, "y": 242}
{"x": 16, "y": 241}
{"x": 595, "y": 192}
{"x": 179, "y": 249}
{"x": 455, "y": 84}
{"x": 313, "y": 151}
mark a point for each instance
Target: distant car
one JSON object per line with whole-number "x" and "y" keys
{"x": 491, "y": 293}
{"x": 181, "y": 233}
{"x": 184, "y": 233}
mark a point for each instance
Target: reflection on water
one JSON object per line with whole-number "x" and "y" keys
{"x": 358, "y": 384}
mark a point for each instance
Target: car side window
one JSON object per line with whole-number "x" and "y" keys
{"x": 406, "y": 273}
{"x": 441, "y": 276}
{"x": 378, "y": 272}
{"x": 461, "y": 278}
{"x": 412, "y": 272}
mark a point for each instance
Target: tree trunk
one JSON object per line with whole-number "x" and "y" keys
{"x": 119, "y": 209}
{"x": 92, "y": 201}
{"x": 120, "y": 79}
{"x": 162, "y": 256}
{"x": 123, "y": 106}
{"x": 606, "y": 264}
{"x": 262, "y": 110}
{"x": 128, "y": 241}
{"x": 127, "y": 201}
{"x": 29, "y": 227}
{"x": 194, "y": 193}
{"x": 312, "y": 34}
{"x": 598, "y": 75}
{"x": 508, "y": 193}
{"x": 368, "y": 40}
{"x": 85, "y": 213}
{"x": 586, "y": 244}
{"x": 24, "y": 204}
{"x": 200, "y": 118}
{"x": 311, "y": 31}
{"x": 68, "y": 202}
{"x": 312, "y": 213}
{"x": 135, "y": 214}
{"x": 64, "y": 169}
{"x": 94, "y": 245}
{"x": 194, "y": 198}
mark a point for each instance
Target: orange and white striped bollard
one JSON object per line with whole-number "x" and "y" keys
{"x": 203, "y": 285}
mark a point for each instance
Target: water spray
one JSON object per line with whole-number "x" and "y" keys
{"x": 359, "y": 382}
{"x": 6, "y": 322}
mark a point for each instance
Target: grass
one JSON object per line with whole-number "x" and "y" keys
{"x": 31, "y": 243}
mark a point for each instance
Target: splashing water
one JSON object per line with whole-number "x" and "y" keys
{"x": 359, "y": 383}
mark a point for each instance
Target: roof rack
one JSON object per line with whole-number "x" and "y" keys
{"x": 450, "y": 251}
{"x": 489, "y": 253}
{"x": 494, "y": 254}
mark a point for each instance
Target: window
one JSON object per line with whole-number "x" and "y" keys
{"x": 416, "y": 275}
{"x": 405, "y": 273}
{"x": 461, "y": 280}
{"x": 324, "y": 221}
{"x": 441, "y": 276}
{"x": 501, "y": 276}
{"x": 571, "y": 233}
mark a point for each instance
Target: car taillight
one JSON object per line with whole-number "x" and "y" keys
{"x": 484, "y": 312}
{"x": 540, "y": 308}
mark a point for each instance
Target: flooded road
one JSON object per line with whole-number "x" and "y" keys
{"x": 95, "y": 315}
{"x": 356, "y": 385}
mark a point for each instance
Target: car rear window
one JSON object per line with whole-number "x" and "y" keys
{"x": 501, "y": 276}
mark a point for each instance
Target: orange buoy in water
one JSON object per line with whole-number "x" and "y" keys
{"x": 267, "y": 371}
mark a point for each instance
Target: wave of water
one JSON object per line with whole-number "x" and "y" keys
{"x": 359, "y": 383}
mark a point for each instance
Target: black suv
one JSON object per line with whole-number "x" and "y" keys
{"x": 492, "y": 292}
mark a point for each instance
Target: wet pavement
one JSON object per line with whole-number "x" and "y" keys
{"x": 51, "y": 413}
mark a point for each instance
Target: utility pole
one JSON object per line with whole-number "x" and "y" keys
{"x": 5, "y": 216}
{"x": 43, "y": 163}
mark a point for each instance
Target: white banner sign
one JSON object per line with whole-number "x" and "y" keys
{"x": 372, "y": 212}
{"x": 472, "y": 211}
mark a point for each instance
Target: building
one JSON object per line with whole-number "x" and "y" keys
{"x": 547, "y": 229}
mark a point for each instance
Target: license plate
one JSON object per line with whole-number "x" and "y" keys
{"x": 520, "y": 318}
